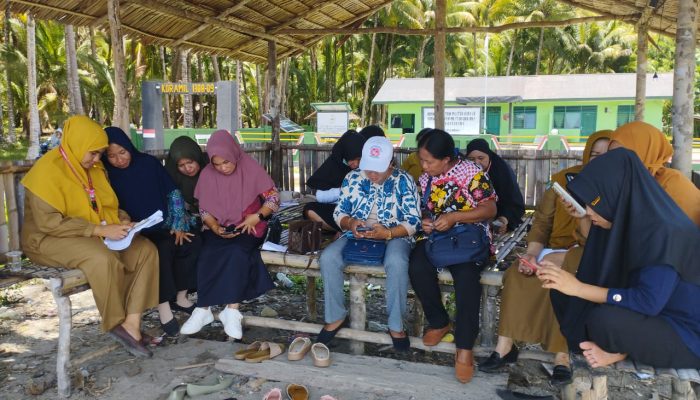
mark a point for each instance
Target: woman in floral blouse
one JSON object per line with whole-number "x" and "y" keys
{"x": 458, "y": 193}
{"x": 385, "y": 199}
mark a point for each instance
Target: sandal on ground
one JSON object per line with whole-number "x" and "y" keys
{"x": 321, "y": 355}
{"x": 327, "y": 397}
{"x": 297, "y": 392}
{"x": 273, "y": 394}
{"x": 561, "y": 375}
{"x": 250, "y": 349}
{"x": 178, "y": 393}
{"x": 171, "y": 328}
{"x": 325, "y": 336}
{"x": 267, "y": 351}
{"x": 199, "y": 390}
{"x": 298, "y": 348}
{"x": 401, "y": 344}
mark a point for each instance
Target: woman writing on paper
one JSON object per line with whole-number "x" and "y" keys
{"x": 143, "y": 187}
{"x": 69, "y": 208}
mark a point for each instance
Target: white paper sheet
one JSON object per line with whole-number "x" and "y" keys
{"x": 269, "y": 246}
{"x": 122, "y": 244}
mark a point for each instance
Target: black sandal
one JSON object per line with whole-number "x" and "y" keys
{"x": 176, "y": 307}
{"x": 401, "y": 344}
{"x": 325, "y": 336}
{"x": 561, "y": 375}
{"x": 171, "y": 328}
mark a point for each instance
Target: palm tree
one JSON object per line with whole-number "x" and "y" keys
{"x": 34, "y": 128}
{"x": 10, "y": 101}
{"x": 74, "y": 96}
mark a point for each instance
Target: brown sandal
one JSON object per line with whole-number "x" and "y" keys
{"x": 250, "y": 349}
{"x": 297, "y": 392}
{"x": 267, "y": 351}
{"x": 321, "y": 355}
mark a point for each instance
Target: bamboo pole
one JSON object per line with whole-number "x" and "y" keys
{"x": 120, "y": 116}
{"x": 683, "y": 87}
{"x": 439, "y": 65}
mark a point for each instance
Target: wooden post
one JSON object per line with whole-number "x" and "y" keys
{"x": 11, "y": 210}
{"x": 120, "y": 116}
{"x": 358, "y": 310}
{"x": 418, "y": 317}
{"x": 642, "y": 46}
{"x": 34, "y": 123}
{"x": 439, "y": 65}
{"x": 488, "y": 316}
{"x": 683, "y": 87}
{"x": 311, "y": 310}
{"x": 64, "y": 327}
{"x": 274, "y": 113}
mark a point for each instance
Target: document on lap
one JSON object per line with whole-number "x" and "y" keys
{"x": 122, "y": 244}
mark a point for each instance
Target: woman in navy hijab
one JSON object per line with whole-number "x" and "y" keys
{"x": 143, "y": 187}
{"x": 636, "y": 293}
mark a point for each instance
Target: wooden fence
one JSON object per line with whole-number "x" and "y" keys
{"x": 532, "y": 169}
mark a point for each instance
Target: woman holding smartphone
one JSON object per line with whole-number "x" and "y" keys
{"x": 234, "y": 193}
{"x": 639, "y": 272}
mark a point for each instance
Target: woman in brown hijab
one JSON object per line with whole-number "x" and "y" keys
{"x": 526, "y": 312}
{"x": 655, "y": 151}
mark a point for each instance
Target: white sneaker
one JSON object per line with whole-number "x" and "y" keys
{"x": 199, "y": 318}
{"x": 231, "y": 318}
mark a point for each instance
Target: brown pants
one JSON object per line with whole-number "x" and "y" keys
{"x": 526, "y": 311}
{"x": 123, "y": 282}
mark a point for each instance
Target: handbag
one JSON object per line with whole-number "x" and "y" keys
{"x": 274, "y": 230}
{"x": 364, "y": 251}
{"x": 304, "y": 237}
{"x": 461, "y": 244}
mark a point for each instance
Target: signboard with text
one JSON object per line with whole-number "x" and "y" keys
{"x": 458, "y": 120}
{"x": 191, "y": 88}
{"x": 332, "y": 122}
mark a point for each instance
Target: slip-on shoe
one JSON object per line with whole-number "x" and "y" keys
{"x": 133, "y": 346}
{"x": 325, "y": 336}
{"x": 298, "y": 348}
{"x": 495, "y": 362}
{"x": 433, "y": 336}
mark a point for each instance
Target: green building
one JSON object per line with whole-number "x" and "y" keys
{"x": 521, "y": 108}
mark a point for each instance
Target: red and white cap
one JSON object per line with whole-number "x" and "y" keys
{"x": 376, "y": 154}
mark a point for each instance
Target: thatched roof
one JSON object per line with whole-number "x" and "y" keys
{"x": 241, "y": 28}
{"x": 236, "y": 28}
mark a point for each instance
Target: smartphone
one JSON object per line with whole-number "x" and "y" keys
{"x": 580, "y": 211}
{"x": 231, "y": 229}
{"x": 533, "y": 267}
{"x": 364, "y": 229}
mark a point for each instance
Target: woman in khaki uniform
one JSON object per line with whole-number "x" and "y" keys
{"x": 69, "y": 208}
{"x": 526, "y": 312}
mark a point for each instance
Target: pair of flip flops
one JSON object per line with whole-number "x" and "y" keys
{"x": 320, "y": 354}
{"x": 294, "y": 392}
{"x": 259, "y": 351}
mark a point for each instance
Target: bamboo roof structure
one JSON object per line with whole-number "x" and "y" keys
{"x": 241, "y": 28}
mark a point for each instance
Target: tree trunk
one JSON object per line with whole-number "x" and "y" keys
{"x": 641, "y": 87}
{"x": 344, "y": 65}
{"x": 166, "y": 97}
{"x": 419, "y": 68}
{"x": 10, "y": 100}
{"x": 539, "y": 52}
{"x": 34, "y": 124}
{"x": 512, "y": 52}
{"x": 475, "y": 57}
{"x": 97, "y": 114}
{"x": 365, "y": 120}
{"x": 282, "y": 92}
{"x": 200, "y": 78}
{"x": 439, "y": 65}
{"x": 185, "y": 78}
{"x": 683, "y": 85}
{"x": 215, "y": 66}
{"x": 75, "y": 99}
{"x": 239, "y": 82}
{"x": 274, "y": 113}
{"x": 258, "y": 83}
{"x": 120, "y": 116}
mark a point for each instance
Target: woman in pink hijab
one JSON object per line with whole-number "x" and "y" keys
{"x": 236, "y": 198}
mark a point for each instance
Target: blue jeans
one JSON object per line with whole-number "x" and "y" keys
{"x": 395, "y": 266}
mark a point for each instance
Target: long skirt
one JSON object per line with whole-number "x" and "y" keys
{"x": 230, "y": 270}
{"x": 178, "y": 263}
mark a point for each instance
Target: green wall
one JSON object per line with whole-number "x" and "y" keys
{"x": 544, "y": 116}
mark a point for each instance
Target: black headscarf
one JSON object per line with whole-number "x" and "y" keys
{"x": 371, "y": 131}
{"x": 510, "y": 202}
{"x": 185, "y": 147}
{"x": 332, "y": 172}
{"x": 648, "y": 229}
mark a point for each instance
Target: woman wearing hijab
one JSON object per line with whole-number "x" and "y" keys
{"x": 345, "y": 157}
{"x": 412, "y": 163}
{"x": 184, "y": 163}
{"x": 511, "y": 205}
{"x": 371, "y": 131}
{"x": 526, "y": 313}
{"x": 143, "y": 187}
{"x": 639, "y": 272}
{"x": 236, "y": 198}
{"x": 69, "y": 208}
{"x": 655, "y": 151}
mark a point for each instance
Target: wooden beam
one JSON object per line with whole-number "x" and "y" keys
{"x": 465, "y": 29}
{"x": 204, "y": 25}
{"x": 439, "y": 65}
{"x": 683, "y": 87}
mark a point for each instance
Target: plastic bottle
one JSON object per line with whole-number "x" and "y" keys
{"x": 286, "y": 282}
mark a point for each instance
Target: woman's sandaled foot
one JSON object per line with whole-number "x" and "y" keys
{"x": 400, "y": 340}
{"x": 597, "y": 357}
{"x": 330, "y": 330}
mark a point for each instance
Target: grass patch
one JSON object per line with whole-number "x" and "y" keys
{"x": 14, "y": 151}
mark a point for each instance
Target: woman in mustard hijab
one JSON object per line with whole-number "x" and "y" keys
{"x": 526, "y": 312}
{"x": 655, "y": 151}
{"x": 69, "y": 209}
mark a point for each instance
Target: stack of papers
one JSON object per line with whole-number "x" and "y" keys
{"x": 122, "y": 244}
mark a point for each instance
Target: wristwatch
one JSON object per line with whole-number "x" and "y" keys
{"x": 263, "y": 218}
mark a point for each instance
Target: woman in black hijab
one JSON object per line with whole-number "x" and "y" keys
{"x": 184, "y": 163}
{"x": 639, "y": 272}
{"x": 511, "y": 205}
{"x": 327, "y": 179}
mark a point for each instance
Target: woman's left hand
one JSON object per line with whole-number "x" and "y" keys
{"x": 554, "y": 277}
{"x": 248, "y": 224}
{"x": 444, "y": 222}
{"x": 181, "y": 236}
